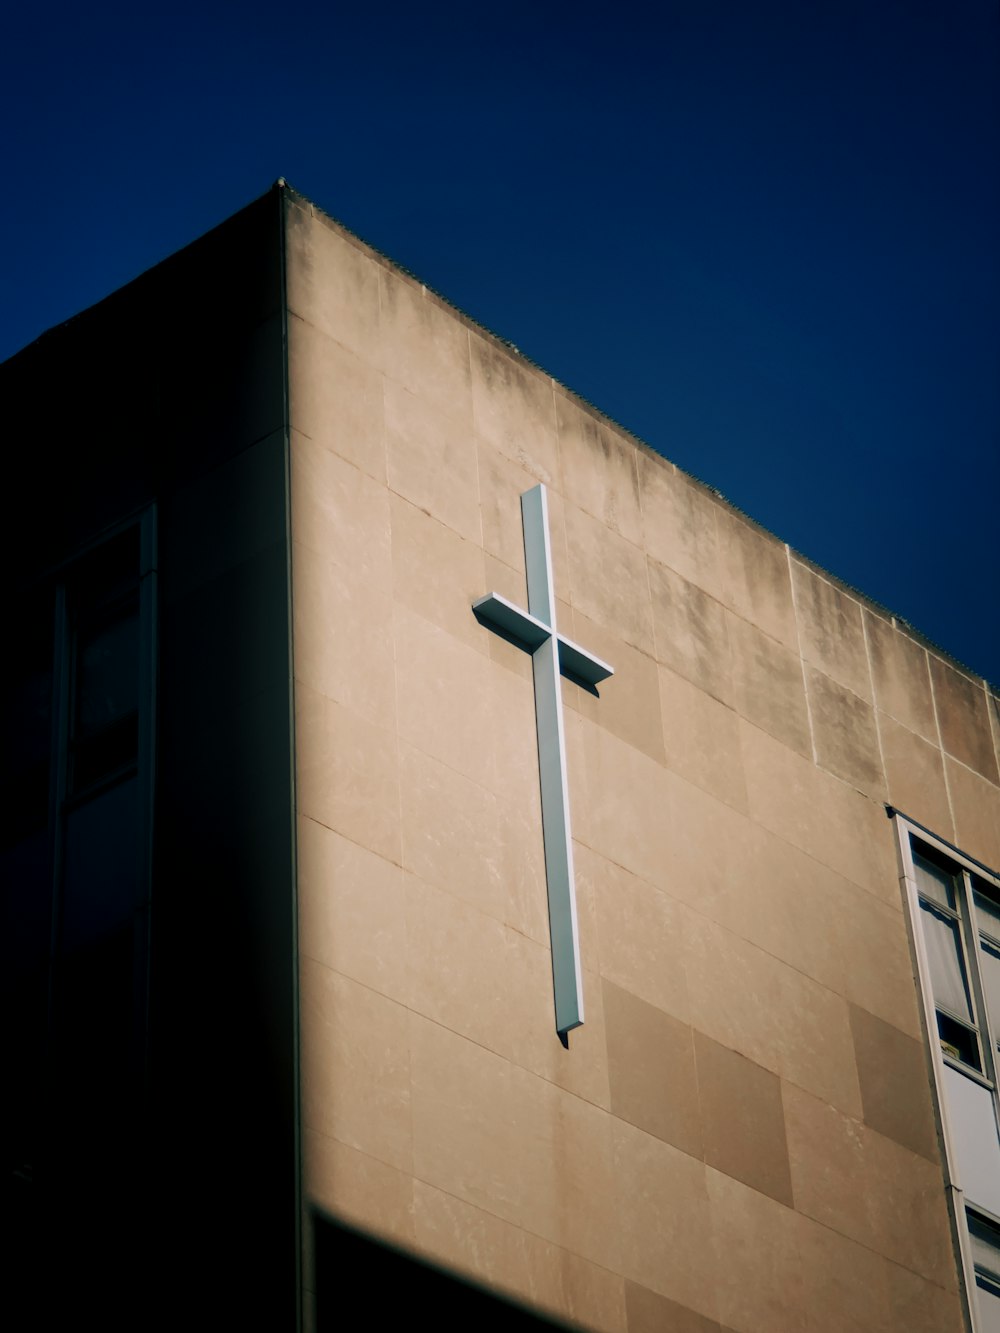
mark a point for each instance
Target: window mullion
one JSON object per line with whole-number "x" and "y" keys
{"x": 148, "y": 694}
{"x": 970, "y": 945}
{"x": 61, "y": 674}
{"x": 987, "y": 1035}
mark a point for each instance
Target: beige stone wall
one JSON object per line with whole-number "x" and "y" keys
{"x": 742, "y": 1135}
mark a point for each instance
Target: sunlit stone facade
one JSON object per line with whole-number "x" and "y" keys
{"x": 744, "y": 1135}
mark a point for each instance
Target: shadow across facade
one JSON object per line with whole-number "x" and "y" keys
{"x": 148, "y": 936}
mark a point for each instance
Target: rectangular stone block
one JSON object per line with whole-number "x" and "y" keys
{"x": 514, "y": 410}
{"x": 607, "y": 578}
{"x": 895, "y": 1084}
{"x": 332, "y": 281}
{"x": 342, "y": 636}
{"x": 440, "y": 678}
{"x": 639, "y": 931}
{"x": 531, "y": 1270}
{"x": 914, "y": 770}
{"x": 599, "y": 469}
{"x": 456, "y": 966}
{"x": 431, "y": 460}
{"x": 450, "y": 832}
{"x": 351, "y": 910}
{"x": 867, "y": 1187}
{"x": 768, "y": 686}
{"x": 901, "y": 676}
{"x": 769, "y": 1012}
{"x": 335, "y": 398}
{"x": 581, "y": 1067}
{"x": 664, "y": 1220}
{"x": 691, "y": 632}
{"x": 339, "y": 512}
{"x": 678, "y": 523}
{"x": 423, "y": 346}
{"x": 347, "y": 771}
{"x": 976, "y": 805}
{"x": 649, "y": 1312}
{"x": 961, "y": 705}
{"x": 511, "y": 1143}
{"x": 742, "y": 1119}
{"x": 701, "y": 739}
{"x": 844, "y": 1284}
{"x": 358, "y": 1189}
{"x": 759, "y": 1279}
{"x": 627, "y": 703}
{"x": 831, "y": 633}
{"x": 437, "y": 573}
{"x": 651, "y": 1064}
{"x": 355, "y": 1066}
{"x": 754, "y": 578}
{"x": 844, "y": 734}
{"x": 820, "y": 814}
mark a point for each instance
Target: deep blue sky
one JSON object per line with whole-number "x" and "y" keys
{"x": 760, "y": 235}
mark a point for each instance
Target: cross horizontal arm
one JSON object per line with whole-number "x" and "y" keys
{"x": 530, "y": 633}
{"x": 518, "y": 625}
{"x": 578, "y": 662}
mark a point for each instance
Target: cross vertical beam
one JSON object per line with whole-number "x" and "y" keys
{"x": 564, "y": 931}
{"x": 551, "y": 654}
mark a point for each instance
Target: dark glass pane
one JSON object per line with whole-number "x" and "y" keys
{"x": 23, "y": 1031}
{"x": 933, "y": 881}
{"x": 985, "y": 1245}
{"x": 100, "y": 881}
{"x": 26, "y": 689}
{"x": 97, "y": 756}
{"x": 107, "y": 671}
{"x": 107, "y": 572}
{"x": 26, "y": 721}
{"x": 25, "y": 804}
{"x": 106, "y": 695}
{"x": 103, "y": 598}
{"x": 25, "y": 906}
{"x": 958, "y": 1041}
{"x": 93, "y": 1052}
{"x": 25, "y": 939}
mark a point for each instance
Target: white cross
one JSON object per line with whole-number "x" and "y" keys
{"x": 534, "y": 630}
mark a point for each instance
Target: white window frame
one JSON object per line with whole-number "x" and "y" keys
{"x": 908, "y": 830}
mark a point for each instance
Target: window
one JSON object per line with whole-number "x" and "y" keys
{"x": 955, "y": 912}
{"x": 985, "y": 1238}
{"x": 945, "y": 891}
{"x": 76, "y": 712}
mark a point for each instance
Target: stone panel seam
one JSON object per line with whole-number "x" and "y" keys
{"x": 353, "y": 841}
{"x": 802, "y": 668}
{"x": 868, "y": 1129}
{"x": 875, "y": 707}
{"x": 941, "y": 749}
{"x": 960, "y": 763}
{"x": 517, "y": 1226}
{"x": 463, "y": 1036}
{"x": 474, "y": 446}
{"x": 577, "y": 837}
{"x": 993, "y": 716}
